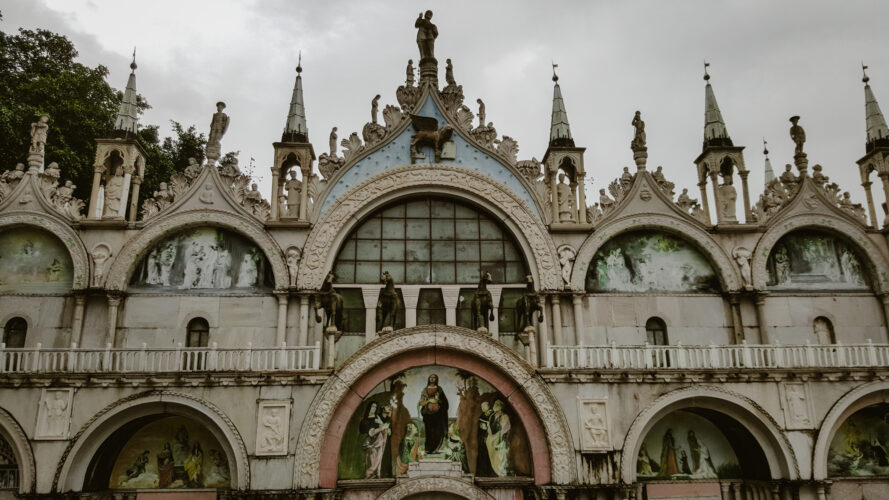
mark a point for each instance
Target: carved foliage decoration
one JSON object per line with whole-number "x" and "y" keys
{"x": 352, "y": 147}
{"x": 508, "y": 148}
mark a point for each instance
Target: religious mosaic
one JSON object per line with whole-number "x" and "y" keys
{"x": 650, "y": 262}
{"x": 860, "y": 446}
{"x": 203, "y": 259}
{"x": 33, "y": 261}
{"x": 434, "y": 413}
{"x": 171, "y": 452}
{"x": 683, "y": 446}
{"x": 808, "y": 260}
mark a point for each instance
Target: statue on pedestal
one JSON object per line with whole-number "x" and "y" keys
{"x": 218, "y": 127}
{"x": 332, "y": 142}
{"x": 39, "y": 131}
{"x": 482, "y": 305}
{"x": 526, "y": 306}
{"x": 638, "y": 143}
{"x": 426, "y": 35}
{"x": 566, "y": 200}
{"x": 374, "y": 109}
{"x": 294, "y": 192}
{"x": 449, "y": 73}
{"x": 113, "y": 193}
{"x": 388, "y": 305}
{"x": 332, "y": 303}
{"x": 798, "y": 135}
{"x": 409, "y": 73}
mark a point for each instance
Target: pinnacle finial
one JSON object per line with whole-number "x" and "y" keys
{"x": 706, "y": 74}
{"x": 555, "y": 76}
{"x": 133, "y": 64}
{"x": 299, "y": 64}
{"x": 864, "y": 77}
{"x": 765, "y": 147}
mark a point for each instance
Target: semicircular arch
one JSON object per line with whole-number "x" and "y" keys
{"x": 319, "y": 440}
{"x": 435, "y": 484}
{"x": 62, "y": 231}
{"x": 851, "y": 402}
{"x": 73, "y": 467}
{"x": 21, "y": 448}
{"x": 849, "y": 232}
{"x": 721, "y": 262}
{"x": 132, "y": 253}
{"x": 775, "y": 445}
{"x": 337, "y": 221}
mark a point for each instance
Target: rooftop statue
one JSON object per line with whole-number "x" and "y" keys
{"x": 426, "y": 35}
{"x": 333, "y": 142}
{"x": 375, "y": 109}
{"x": 449, "y": 73}
{"x": 38, "y": 134}
{"x": 218, "y": 127}
{"x": 638, "y": 142}
{"x": 409, "y": 73}
{"x": 797, "y": 134}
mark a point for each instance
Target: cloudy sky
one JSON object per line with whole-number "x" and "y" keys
{"x": 769, "y": 60}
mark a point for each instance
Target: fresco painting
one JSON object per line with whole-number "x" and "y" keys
{"x": 816, "y": 261}
{"x": 169, "y": 453}
{"x": 650, "y": 262}
{"x": 434, "y": 413}
{"x": 685, "y": 446}
{"x": 860, "y": 446}
{"x": 33, "y": 261}
{"x": 205, "y": 259}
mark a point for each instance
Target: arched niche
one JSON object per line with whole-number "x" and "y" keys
{"x": 720, "y": 407}
{"x": 696, "y": 239}
{"x": 34, "y": 261}
{"x": 99, "y": 441}
{"x": 812, "y": 260}
{"x": 20, "y": 449}
{"x": 359, "y": 201}
{"x": 160, "y": 229}
{"x": 62, "y": 242}
{"x": 321, "y": 436}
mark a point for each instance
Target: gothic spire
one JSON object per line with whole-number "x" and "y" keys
{"x": 560, "y": 131}
{"x": 295, "y": 130}
{"x": 127, "y": 121}
{"x": 715, "y": 133}
{"x": 877, "y": 131}
{"x": 769, "y": 173}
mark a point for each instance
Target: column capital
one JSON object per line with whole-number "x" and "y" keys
{"x": 283, "y": 297}
{"x": 114, "y": 300}
{"x": 370, "y": 294}
{"x": 450, "y": 295}
{"x": 410, "y": 296}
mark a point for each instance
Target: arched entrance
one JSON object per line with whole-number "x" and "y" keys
{"x": 17, "y": 466}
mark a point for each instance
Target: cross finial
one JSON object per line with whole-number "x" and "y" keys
{"x": 765, "y": 147}
{"x": 299, "y": 64}
{"x": 706, "y": 75}
{"x": 555, "y": 76}
{"x": 864, "y": 78}
{"x": 133, "y": 64}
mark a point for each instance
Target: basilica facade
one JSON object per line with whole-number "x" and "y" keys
{"x": 417, "y": 312}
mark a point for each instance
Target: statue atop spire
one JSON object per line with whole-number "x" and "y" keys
{"x": 127, "y": 121}
{"x": 715, "y": 132}
{"x": 877, "y": 131}
{"x": 560, "y": 131}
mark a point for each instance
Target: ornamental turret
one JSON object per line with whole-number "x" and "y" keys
{"x": 876, "y": 147}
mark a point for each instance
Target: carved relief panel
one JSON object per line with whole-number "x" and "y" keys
{"x": 593, "y": 425}
{"x": 54, "y": 414}
{"x": 272, "y": 427}
{"x": 797, "y": 401}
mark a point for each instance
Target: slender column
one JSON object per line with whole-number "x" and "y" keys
{"x": 885, "y": 179}
{"x": 715, "y": 180}
{"x": 764, "y": 335}
{"x": 737, "y": 323}
{"x": 776, "y": 491}
{"x": 724, "y": 486}
{"x": 98, "y": 170}
{"x": 553, "y": 187}
{"x": 577, "y": 300}
{"x": 111, "y": 331}
{"x": 495, "y": 301}
{"x": 748, "y": 216}
{"x": 822, "y": 492}
{"x": 736, "y": 489}
{"x": 77, "y": 321}
{"x": 871, "y": 209}
{"x": 125, "y": 191}
{"x": 274, "y": 215}
{"x": 370, "y": 294}
{"x": 450, "y": 296}
{"x": 411, "y": 296}
{"x": 303, "y": 338}
{"x": 134, "y": 203}
{"x": 304, "y": 193}
{"x": 281, "y": 332}
{"x": 581, "y": 198}
{"x": 542, "y": 333}
{"x": 704, "y": 203}
{"x": 557, "y": 321}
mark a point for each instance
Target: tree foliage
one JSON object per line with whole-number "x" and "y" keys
{"x": 163, "y": 158}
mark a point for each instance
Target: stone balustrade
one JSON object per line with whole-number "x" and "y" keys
{"x": 159, "y": 360}
{"x": 736, "y": 356}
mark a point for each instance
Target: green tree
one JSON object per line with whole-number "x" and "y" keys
{"x": 164, "y": 158}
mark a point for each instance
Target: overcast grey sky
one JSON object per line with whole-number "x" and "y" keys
{"x": 769, "y": 60}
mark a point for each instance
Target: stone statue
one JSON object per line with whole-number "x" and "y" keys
{"x": 163, "y": 197}
{"x": 52, "y": 171}
{"x": 100, "y": 254}
{"x": 39, "y": 130}
{"x": 727, "y": 197}
{"x": 293, "y": 256}
{"x": 64, "y": 194}
{"x": 566, "y": 200}
{"x": 409, "y": 73}
{"x": 12, "y": 177}
{"x": 526, "y": 306}
{"x": 742, "y": 257}
{"x": 638, "y": 143}
{"x": 481, "y": 112}
{"x": 374, "y": 109}
{"x": 787, "y": 178}
{"x": 426, "y": 35}
{"x": 332, "y": 303}
{"x": 113, "y": 193}
{"x": 388, "y": 305}
{"x": 566, "y": 261}
{"x": 218, "y": 127}
{"x": 626, "y": 179}
{"x": 605, "y": 202}
{"x": 428, "y": 134}
{"x": 294, "y": 191}
{"x": 817, "y": 176}
{"x": 482, "y": 306}
{"x": 192, "y": 170}
{"x": 798, "y": 135}
{"x": 449, "y": 73}
{"x": 662, "y": 181}
{"x": 685, "y": 201}
{"x": 332, "y": 142}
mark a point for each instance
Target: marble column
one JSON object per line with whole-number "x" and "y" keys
{"x": 303, "y": 338}
{"x": 885, "y": 178}
{"x": 410, "y": 295}
{"x": 705, "y": 205}
{"x": 581, "y": 198}
{"x": 577, "y": 301}
{"x": 371, "y": 295}
{"x": 111, "y": 331}
{"x": 304, "y": 194}
{"x": 553, "y": 188}
{"x": 871, "y": 209}
{"x": 451, "y": 296}
{"x": 128, "y": 171}
{"x": 542, "y": 333}
{"x": 737, "y": 322}
{"x": 714, "y": 179}
{"x": 77, "y": 320}
{"x": 134, "y": 201}
{"x": 495, "y": 302}
{"x": 748, "y": 215}
{"x": 764, "y": 335}
{"x": 281, "y": 331}
{"x": 98, "y": 170}
{"x": 557, "y": 321}
{"x": 274, "y": 215}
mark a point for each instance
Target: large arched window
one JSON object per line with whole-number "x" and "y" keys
{"x": 14, "y": 332}
{"x": 430, "y": 240}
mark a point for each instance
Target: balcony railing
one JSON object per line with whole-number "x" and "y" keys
{"x": 159, "y": 360}
{"x": 755, "y": 356}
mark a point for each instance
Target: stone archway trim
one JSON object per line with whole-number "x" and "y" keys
{"x": 827, "y": 223}
{"x": 435, "y": 484}
{"x": 71, "y": 470}
{"x": 339, "y": 390}
{"x": 319, "y": 250}
{"x": 851, "y": 402}
{"x": 21, "y": 447}
{"x": 130, "y": 255}
{"x": 62, "y": 231}
{"x": 723, "y": 265}
{"x": 777, "y": 448}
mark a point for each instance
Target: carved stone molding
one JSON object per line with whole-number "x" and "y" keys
{"x": 505, "y": 360}
{"x": 336, "y": 221}
{"x": 79, "y": 256}
{"x": 761, "y": 424}
{"x": 71, "y": 470}
{"x": 722, "y": 263}
{"x": 136, "y": 248}
{"x": 851, "y": 233}
{"x": 435, "y": 484}
{"x": 21, "y": 448}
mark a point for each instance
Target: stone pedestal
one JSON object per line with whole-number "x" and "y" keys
{"x": 640, "y": 156}
{"x": 434, "y": 467}
{"x": 429, "y": 71}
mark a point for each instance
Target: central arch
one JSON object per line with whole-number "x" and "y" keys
{"x": 321, "y": 434}
{"x": 420, "y": 485}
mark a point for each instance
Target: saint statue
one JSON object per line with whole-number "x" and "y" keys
{"x": 218, "y": 126}
{"x": 727, "y": 197}
{"x": 797, "y": 134}
{"x": 638, "y": 142}
{"x": 374, "y": 109}
{"x": 294, "y": 191}
{"x": 409, "y": 73}
{"x": 332, "y": 141}
{"x": 113, "y": 193}
{"x": 449, "y": 73}
{"x": 39, "y": 130}
{"x": 483, "y": 466}
{"x": 433, "y": 407}
{"x": 193, "y": 169}
{"x": 668, "y": 464}
{"x": 163, "y": 197}
{"x": 426, "y": 35}
{"x": 566, "y": 200}
{"x": 481, "y": 112}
